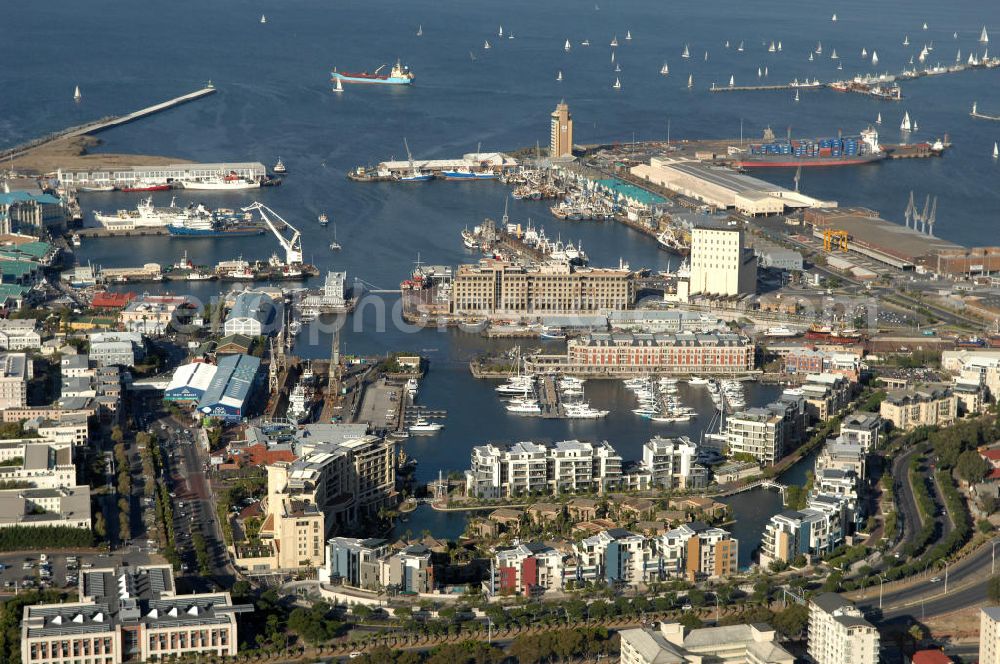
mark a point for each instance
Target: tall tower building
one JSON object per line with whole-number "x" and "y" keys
{"x": 561, "y": 135}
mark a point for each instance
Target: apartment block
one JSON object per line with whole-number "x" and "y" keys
{"x": 989, "y": 635}
{"x": 19, "y": 334}
{"x": 671, "y": 463}
{"x": 697, "y": 551}
{"x": 525, "y": 569}
{"x": 354, "y": 562}
{"x": 923, "y": 406}
{"x": 839, "y": 633}
{"x": 16, "y": 369}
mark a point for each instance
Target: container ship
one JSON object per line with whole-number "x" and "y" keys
{"x": 398, "y": 75}
{"x": 843, "y": 151}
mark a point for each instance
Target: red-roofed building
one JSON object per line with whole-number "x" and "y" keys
{"x": 109, "y": 300}
{"x": 930, "y": 657}
{"x": 991, "y": 455}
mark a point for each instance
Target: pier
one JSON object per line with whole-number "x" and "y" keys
{"x": 762, "y": 88}
{"x": 762, "y": 484}
{"x": 105, "y": 123}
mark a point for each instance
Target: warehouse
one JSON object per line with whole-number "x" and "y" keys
{"x": 189, "y": 382}
{"x": 231, "y": 391}
{"x": 723, "y": 188}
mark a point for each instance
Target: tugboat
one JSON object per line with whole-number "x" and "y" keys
{"x": 279, "y": 167}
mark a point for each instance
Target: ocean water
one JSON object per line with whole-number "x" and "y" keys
{"x": 274, "y": 100}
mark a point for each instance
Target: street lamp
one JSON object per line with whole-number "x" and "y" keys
{"x": 993, "y": 559}
{"x": 881, "y": 580}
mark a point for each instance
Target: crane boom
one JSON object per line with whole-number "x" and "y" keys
{"x": 293, "y": 247}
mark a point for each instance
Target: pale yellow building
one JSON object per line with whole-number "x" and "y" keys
{"x": 989, "y": 635}
{"x": 561, "y": 133}
{"x": 923, "y": 406}
{"x": 720, "y": 263}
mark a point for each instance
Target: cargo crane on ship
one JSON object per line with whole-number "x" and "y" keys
{"x": 293, "y": 247}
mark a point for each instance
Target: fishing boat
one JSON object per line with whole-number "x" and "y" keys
{"x": 399, "y": 74}
{"x": 96, "y": 188}
{"x": 415, "y": 174}
{"x": 146, "y": 185}
{"x": 686, "y": 53}
{"x": 664, "y": 70}
{"x": 618, "y": 84}
{"x": 279, "y": 167}
{"x": 567, "y": 46}
{"x": 465, "y": 174}
{"x": 76, "y": 94}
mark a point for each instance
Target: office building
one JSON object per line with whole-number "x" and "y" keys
{"x": 116, "y": 348}
{"x": 839, "y": 633}
{"x": 720, "y": 264}
{"x": 616, "y": 354}
{"x": 561, "y": 132}
{"x": 731, "y": 644}
{"x": 132, "y": 614}
{"x": 496, "y": 287}
{"x": 16, "y": 369}
{"x": 923, "y": 406}
{"x": 526, "y": 467}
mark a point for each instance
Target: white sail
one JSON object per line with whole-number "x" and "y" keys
{"x": 771, "y": 49}
{"x": 263, "y": 19}
{"x": 878, "y": 120}
{"x": 925, "y": 26}
{"x": 759, "y": 73}
{"x": 834, "y": 56}
{"x": 834, "y": 18}
{"x": 567, "y": 46}
{"x": 874, "y": 57}
{"x": 727, "y": 43}
{"x": 559, "y": 76}
{"x": 906, "y": 40}
{"x": 686, "y": 53}
{"x": 337, "y": 85}
{"x": 810, "y": 57}
{"x": 796, "y": 95}
{"x": 690, "y": 80}
{"x": 618, "y": 84}
{"x": 500, "y": 33}
{"x": 864, "y": 52}
{"x": 665, "y": 69}
{"x": 765, "y": 71}
{"x": 614, "y": 41}
{"x": 958, "y": 56}
{"x": 819, "y": 48}
{"x": 779, "y": 46}
{"x": 628, "y": 35}
{"x": 420, "y": 31}
{"x": 740, "y": 47}
{"x": 486, "y": 44}
{"x": 906, "y": 125}
{"x": 76, "y": 94}
{"x": 706, "y": 56}
{"x": 996, "y": 150}
{"x": 732, "y": 81}
{"x": 612, "y": 56}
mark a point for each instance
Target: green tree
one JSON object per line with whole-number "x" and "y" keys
{"x": 792, "y": 621}
{"x": 690, "y": 620}
{"x": 993, "y": 590}
{"x": 972, "y": 467}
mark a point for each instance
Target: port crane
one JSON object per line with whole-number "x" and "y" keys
{"x": 293, "y": 247}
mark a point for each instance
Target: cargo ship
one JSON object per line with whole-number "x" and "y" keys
{"x": 398, "y": 75}
{"x": 841, "y": 151}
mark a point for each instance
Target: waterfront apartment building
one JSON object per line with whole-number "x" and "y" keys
{"x": 720, "y": 264}
{"x": 861, "y": 428}
{"x": 989, "y": 635}
{"x": 756, "y": 643}
{"x": 838, "y": 632}
{"x": 132, "y": 614}
{"x": 670, "y": 463}
{"x": 607, "y": 354}
{"x": 697, "y": 551}
{"x": 794, "y": 532}
{"x": 19, "y": 333}
{"x": 616, "y": 557}
{"x": 561, "y": 132}
{"x": 523, "y": 468}
{"x": 758, "y": 432}
{"x": 525, "y": 569}
{"x": 354, "y": 562}
{"x": 923, "y": 406}
{"x": 16, "y": 369}
{"x": 495, "y": 287}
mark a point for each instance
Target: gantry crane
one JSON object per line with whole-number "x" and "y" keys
{"x": 293, "y": 247}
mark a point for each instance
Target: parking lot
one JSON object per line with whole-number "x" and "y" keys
{"x": 24, "y": 571}
{"x": 382, "y": 405}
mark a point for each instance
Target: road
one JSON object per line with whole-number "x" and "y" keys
{"x": 966, "y": 586}
{"x": 906, "y": 505}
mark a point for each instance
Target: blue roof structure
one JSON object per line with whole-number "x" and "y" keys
{"x": 26, "y": 196}
{"x": 231, "y": 387}
{"x": 632, "y": 192}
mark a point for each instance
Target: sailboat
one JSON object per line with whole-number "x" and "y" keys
{"x": 337, "y": 85}
{"x": 864, "y": 52}
{"x": 628, "y": 35}
{"x": 983, "y": 37}
{"x": 559, "y": 76}
{"x": 686, "y": 53}
{"x": 665, "y": 70}
{"x": 796, "y": 95}
{"x": 500, "y": 33}
{"x": 765, "y": 71}
{"x": 955, "y": 35}
{"x": 690, "y": 81}
{"x": 906, "y": 40}
{"x": 925, "y": 26}
{"x": 727, "y": 43}
{"x": 335, "y": 245}
{"x": 612, "y": 56}
{"x": 706, "y": 56}
{"x": 263, "y": 19}
{"x": 819, "y": 48}
{"x": 905, "y": 125}
{"x": 760, "y": 74}
{"x": 779, "y": 47}
{"x": 740, "y": 47}
{"x": 834, "y": 56}
{"x": 618, "y": 84}
{"x": 566, "y": 46}
{"x": 810, "y": 57}
{"x": 840, "y": 66}
{"x": 915, "y": 126}
{"x": 618, "y": 68}
{"x": 76, "y": 94}
{"x": 874, "y": 58}
{"x": 614, "y": 41}
{"x": 878, "y": 120}
{"x": 732, "y": 81}
{"x": 771, "y": 49}
{"x": 996, "y": 150}
{"x": 486, "y": 44}
{"x": 930, "y": 47}
{"x": 420, "y": 31}
{"x": 834, "y": 18}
